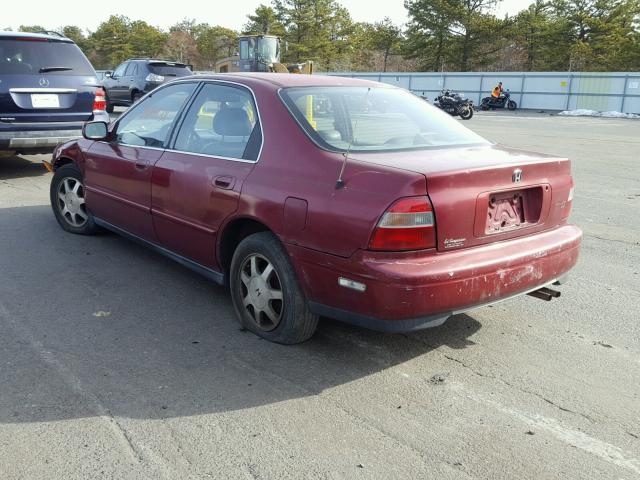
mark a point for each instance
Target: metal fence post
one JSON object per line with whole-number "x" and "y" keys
{"x": 624, "y": 92}
{"x": 566, "y": 107}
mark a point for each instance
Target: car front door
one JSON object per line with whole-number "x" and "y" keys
{"x": 118, "y": 170}
{"x": 197, "y": 183}
{"x": 115, "y": 84}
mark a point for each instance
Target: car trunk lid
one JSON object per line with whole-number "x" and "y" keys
{"x": 487, "y": 194}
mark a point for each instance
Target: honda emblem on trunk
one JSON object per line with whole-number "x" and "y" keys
{"x": 516, "y": 177}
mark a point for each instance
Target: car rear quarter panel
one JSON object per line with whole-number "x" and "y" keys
{"x": 338, "y": 221}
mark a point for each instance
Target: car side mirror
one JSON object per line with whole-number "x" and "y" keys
{"x": 108, "y": 74}
{"x": 95, "y": 130}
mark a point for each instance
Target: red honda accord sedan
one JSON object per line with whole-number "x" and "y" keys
{"x": 322, "y": 196}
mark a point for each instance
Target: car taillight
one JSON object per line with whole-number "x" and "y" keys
{"x": 153, "y": 77}
{"x": 100, "y": 102}
{"x": 408, "y": 224}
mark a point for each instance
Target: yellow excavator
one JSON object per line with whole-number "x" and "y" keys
{"x": 260, "y": 53}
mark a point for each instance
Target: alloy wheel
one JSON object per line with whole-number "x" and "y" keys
{"x": 71, "y": 202}
{"x": 261, "y": 292}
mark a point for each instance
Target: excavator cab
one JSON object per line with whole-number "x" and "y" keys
{"x": 258, "y": 53}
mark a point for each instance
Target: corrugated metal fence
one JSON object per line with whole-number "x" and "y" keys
{"x": 545, "y": 90}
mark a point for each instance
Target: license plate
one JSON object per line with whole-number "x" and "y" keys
{"x": 45, "y": 100}
{"x": 506, "y": 212}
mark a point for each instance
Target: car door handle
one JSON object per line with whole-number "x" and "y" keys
{"x": 224, "y": 181}
{"x": 141, "y": 166}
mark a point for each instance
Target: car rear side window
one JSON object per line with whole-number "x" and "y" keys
{"x": 373, "y": 119}
{"x": 221, "y": 122}
{"x": 149, "y": 122}
{"x": 33, "y": 56}
{"x": 132, "y": 69}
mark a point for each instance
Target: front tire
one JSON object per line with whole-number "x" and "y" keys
{"x": 266, "y": 295}
{"x": 512, "y": 105}
{"x": 68, "y": 201}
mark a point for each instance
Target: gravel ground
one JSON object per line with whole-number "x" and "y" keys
{"x": 117, "y": 363}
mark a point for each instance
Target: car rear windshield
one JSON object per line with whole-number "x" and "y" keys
{"x": 33, "y": 56}
{"x": 369, "y": 119}
{"x": 169, "y": 69}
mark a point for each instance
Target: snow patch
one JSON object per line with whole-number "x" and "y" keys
{"x": 581, "y": 112}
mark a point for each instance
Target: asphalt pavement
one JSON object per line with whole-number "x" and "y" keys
{"x": 118, "y": 363}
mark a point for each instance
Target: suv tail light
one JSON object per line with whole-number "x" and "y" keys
{"x": 408, "y": 224}
{"x": 100, "y": 101}
{"x": 153, "y": 77}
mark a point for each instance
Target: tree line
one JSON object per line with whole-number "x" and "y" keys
{"x": 440, "y": 35}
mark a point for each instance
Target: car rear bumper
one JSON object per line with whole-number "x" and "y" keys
{"x": 42, "y": 137}
{"x": 36, "y": 140}
{"x": 410, "y": 291}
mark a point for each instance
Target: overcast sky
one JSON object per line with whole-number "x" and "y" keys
{"x": 164, "y": 13}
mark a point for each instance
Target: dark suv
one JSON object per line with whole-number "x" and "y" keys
{"x": 48, "y": 89}
{"x": 136, "y": 77}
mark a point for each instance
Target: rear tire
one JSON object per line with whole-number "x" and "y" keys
{"x": 135, "y": 97}
{"x": 266, "y": 295}
{"x": 109, "y": 106}
{"x": 68, "y": 202}
{"x": 465, "y": 112}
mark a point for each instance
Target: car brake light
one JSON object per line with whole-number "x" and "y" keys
{"x": 408, "y": 224}
{"x": 100, "y": 102}
{"x": 152, "y": 77}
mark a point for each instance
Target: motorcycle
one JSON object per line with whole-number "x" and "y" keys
{"x": 454, "y": 104}
{"x": 504, "y": 100}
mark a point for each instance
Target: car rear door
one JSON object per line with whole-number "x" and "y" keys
{"x": 196, "y": 185}
{"x": 129, "y": 80}
{"x": 44, "y": 79}
{"x": 116, "y": 85}
{"x": 118, "y": 171}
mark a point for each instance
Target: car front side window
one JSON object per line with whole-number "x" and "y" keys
{"x": 148, "y": 124}
{"x": 222, "y": 122}
{"x": 119, "y": 72}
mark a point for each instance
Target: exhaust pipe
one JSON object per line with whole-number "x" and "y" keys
{"x": 545, "y": 293}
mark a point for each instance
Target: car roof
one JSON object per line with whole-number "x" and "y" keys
{"x": 154, "y": 60}
{"x": 44, "y": 36}
{"x": 295, "y": 80}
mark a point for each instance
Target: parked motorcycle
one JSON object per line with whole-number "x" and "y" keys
{"x": 454, "y": 104}
{"x": 504, "y": 100}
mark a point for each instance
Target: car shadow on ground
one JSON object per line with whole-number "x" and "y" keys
{"x": 13, "y": 166}
{"x": 94, "y": 324}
